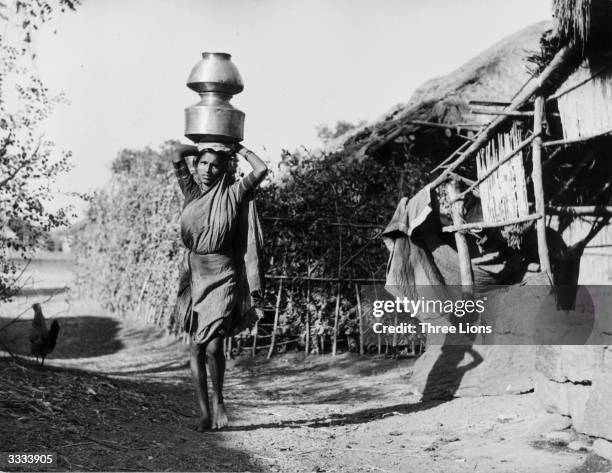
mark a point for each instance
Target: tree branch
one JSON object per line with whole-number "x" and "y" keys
{"x": 12, "y": 175}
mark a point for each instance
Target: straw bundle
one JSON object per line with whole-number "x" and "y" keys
{"x": 503, "y": 194}
{"x": 583, "y": 22}
{"x": 586, "y": 109}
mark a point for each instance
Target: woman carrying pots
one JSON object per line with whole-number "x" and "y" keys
{"x": 221, "y": 269}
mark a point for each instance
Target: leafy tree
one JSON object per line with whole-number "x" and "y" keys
{"x": 323, "y": 217}
{"x": 129, "y": 248}
{"x": 28, "y": 161}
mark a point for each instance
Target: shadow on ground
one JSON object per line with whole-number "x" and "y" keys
{"x": 97, "y": 423}
{"x": 80, "y": 336}
{"x": 359, "y": 417}
{"x": 322, "y": 379}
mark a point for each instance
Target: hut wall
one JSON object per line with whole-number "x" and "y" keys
{"x": 587, "y": 109}
{"x": 596, "y": 261}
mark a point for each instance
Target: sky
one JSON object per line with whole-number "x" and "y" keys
{"x": 123, "y": 65}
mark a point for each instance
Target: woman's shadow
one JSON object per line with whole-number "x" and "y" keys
{"x": 446, "y": 375}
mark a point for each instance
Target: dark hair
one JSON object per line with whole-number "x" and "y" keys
{"x": 224, "y": 155}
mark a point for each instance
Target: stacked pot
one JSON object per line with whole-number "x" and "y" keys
{"x": 216, "y": 79}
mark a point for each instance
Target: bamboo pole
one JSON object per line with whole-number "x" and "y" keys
{"x": 486, "y": 111}
{"x": 360, "y": 315}
{"x": 488, "y": 103}
{"x": 538, "y": 187}
{"x": 480, "y": 225}
{"x": 336, "y": 317}
{"x": 319, "y": 222}
{"x": 572, "y": 141}
{"x": 586, "y": 210}
{"x": 470, "y": 126}
{"x": 254, "y": 347}
{"x": 276, "y": 313}
{"x": 318, "y": 279}
{"x": 465, "y": 264}
{"x": 530, "y": 88}
{"x": 445, "y": 126}
{"x": 337, "y": 313}
{"x": 463, "y": 179}
{"x": 394, "y": 338}
{"x": 457, "y": 152}
{"x": 228, "y": 347}
{"x": 307, "y": 348}
{"x": 469, "y": 139}
{"x": 142, "y": 293}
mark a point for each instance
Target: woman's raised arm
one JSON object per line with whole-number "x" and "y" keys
{"x": 187, "y": 183}
{"x": 183, "y": 151}
{"x": 259, "y": 167}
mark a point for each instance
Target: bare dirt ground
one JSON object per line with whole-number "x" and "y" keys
{"x": 116, "y": 395}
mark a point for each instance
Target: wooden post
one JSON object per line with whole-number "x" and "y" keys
{"x": 336, "y": 317}
{"x": 360, "y": 315}
{"x": 255, "y": 330}
{"x": 276, "y": 312}
{"x": 337, "y": 314}
{"x": 538, "y": 187}
{"x": 394, "y": 338}
{"x": 228, "y": 347}
{"x": 142, "y": 293}
{"x": 465, "y": 264}
{"x": 307, "y": 348}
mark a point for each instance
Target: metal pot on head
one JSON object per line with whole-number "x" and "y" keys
{"x": 214, "y": 119}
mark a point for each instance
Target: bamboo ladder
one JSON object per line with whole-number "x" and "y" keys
{"x": 532, "y": 88}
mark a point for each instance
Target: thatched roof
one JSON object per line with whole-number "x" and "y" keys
{"x": 584, "y": 22}
{"x": 495, "y": 74}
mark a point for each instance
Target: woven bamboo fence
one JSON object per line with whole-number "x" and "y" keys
{"x": 504, "y": 194}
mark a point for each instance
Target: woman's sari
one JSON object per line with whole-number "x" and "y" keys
{"x": 221, "y": 269}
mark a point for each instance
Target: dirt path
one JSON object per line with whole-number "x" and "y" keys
{"x": 117, "y": 396}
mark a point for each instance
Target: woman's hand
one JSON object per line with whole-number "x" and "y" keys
{"x": 259, "y": 167}
{"x": 183, "y": 151}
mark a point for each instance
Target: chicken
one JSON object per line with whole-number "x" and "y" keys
{"x": 42, "y": 339}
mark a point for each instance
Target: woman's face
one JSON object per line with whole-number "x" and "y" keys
{"x": 209, "y": 168}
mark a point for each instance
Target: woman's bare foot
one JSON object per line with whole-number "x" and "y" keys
{"x": 219, "y": 416}
{"x": 203, "y": 424}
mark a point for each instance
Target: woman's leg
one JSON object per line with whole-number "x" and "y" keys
{"x": 198, "y": 372}
{"x": 216, "y": 367}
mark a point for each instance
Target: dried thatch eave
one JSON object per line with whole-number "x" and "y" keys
{"x": 585, "y": 23}
{"x": 500, "y": 73}
{"x": 495, "y": 74}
